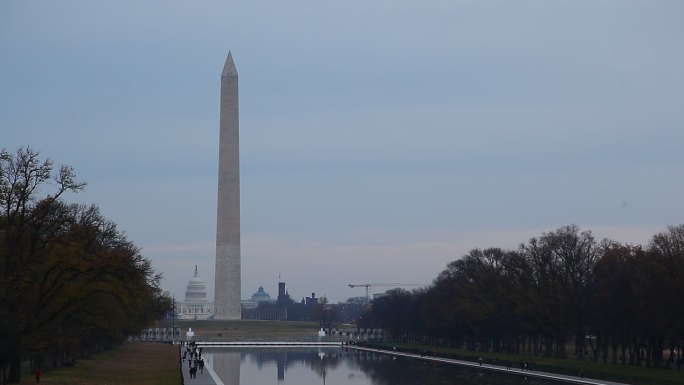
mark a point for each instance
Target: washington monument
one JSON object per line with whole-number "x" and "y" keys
{"x": 227, "y": 279}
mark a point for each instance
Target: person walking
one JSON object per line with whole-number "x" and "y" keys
{"x": 39, "y": 374}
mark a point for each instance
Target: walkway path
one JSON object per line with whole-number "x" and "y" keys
{"x": 528, "y": 373}
{"x": 208, "y": 377}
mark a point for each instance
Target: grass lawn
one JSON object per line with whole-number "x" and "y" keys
{"x": 136, "y": 363}
{"x": 599, "y": 370}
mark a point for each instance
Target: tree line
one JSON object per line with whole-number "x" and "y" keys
{"x": 70, "y": 282}
{"x": 560, "y": 294}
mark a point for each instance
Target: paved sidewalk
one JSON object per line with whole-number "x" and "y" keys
{"x": 528, "y": 373}
{"x": 208, "y": 377}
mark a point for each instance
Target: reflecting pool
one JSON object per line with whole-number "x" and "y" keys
{"x": 308, "y": 366}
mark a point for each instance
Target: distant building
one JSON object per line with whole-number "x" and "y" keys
{"x": 283, "y": 296}
{"x": 309, "y": 301}
{"x": 257, "y": 298}
{"x": 262, "y": 307}
{"x": 195, "y": 306}
{"x": 261, "y": 296}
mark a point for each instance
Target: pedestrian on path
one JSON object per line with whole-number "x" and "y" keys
{"x": 201, "y": 365}
{"x": 39, "y": 374}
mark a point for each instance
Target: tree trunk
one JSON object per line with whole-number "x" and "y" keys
{"x": 673, "y": 354}
{"x": 548, "y": 347}
{"x": 14, "y": 374}
{"x": 561, "y": 347}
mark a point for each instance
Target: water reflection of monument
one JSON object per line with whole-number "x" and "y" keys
{"x": 307, "y": 366}
{"x": 316, "y": 360}
{"x": 226, "y": 362}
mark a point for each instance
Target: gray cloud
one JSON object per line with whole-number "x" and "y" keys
{"x": 404, "y": 120}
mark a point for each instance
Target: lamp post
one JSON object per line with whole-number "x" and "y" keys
{"x": 173, "y": 320}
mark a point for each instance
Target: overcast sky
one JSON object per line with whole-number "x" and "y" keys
{"x": 380, "y": 140}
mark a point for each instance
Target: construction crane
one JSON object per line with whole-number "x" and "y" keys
{"x": 367, "y": 285}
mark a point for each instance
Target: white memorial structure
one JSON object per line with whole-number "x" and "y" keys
{"x": 227, "y": 275}
{"x": 196, "y": 306}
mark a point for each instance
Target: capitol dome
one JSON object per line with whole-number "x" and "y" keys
{"x": 261, "y": 296}
{"x": 196, "y": 291}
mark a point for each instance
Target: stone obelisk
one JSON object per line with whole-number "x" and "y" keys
{"x": 227, "y": 280}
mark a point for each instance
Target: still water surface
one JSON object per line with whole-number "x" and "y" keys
{"x": 333, "y": 366}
